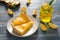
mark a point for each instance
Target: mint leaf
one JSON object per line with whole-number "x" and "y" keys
{"x": 51, "y": 2}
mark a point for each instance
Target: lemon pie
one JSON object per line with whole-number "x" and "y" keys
{"x": 21, "y": 19}
{"x": 12, "y": 3}
{"x": 21, "y": 24}
{"x": 22, "y": 29}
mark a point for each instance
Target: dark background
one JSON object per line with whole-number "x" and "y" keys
{"x": 38, "y": 35}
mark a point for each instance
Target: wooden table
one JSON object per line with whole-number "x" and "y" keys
{"x": 38, "y": 35}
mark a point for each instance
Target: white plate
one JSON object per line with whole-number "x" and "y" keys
{"x": 30, "y": 32}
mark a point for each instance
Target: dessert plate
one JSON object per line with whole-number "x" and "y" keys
{"x": 30, "y": 32}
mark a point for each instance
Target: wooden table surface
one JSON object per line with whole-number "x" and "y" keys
{"x": 38, "y": 35}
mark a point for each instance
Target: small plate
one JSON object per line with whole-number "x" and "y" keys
{"x": 30, "y": 32}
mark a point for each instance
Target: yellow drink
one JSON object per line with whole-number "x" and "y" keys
{"x": 45, "y": 12}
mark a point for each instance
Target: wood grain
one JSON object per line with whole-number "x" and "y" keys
{"x": 39, "y": 35}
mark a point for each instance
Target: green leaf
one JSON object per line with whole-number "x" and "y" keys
{"x": 14, "y": 5}
{"x": 51, "y": 2}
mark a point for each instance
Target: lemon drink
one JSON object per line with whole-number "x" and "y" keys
{"x": 45, "y": 12}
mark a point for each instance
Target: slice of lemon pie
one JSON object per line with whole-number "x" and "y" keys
{"x": 22, "y": 29}
{"x": 21, "y": 24}
{"x": 21, "y": 19}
